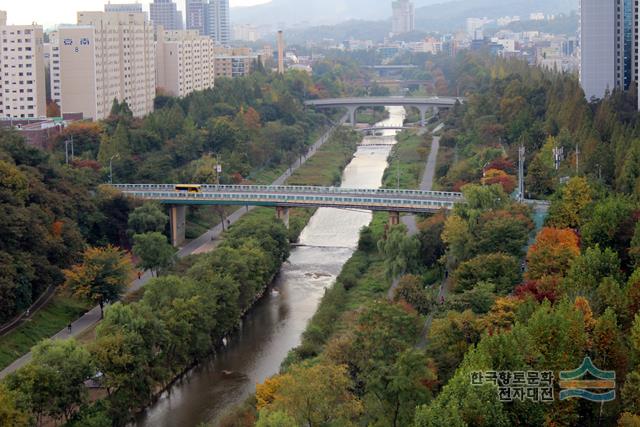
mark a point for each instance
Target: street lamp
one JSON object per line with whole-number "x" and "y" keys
{"x": 115, "y": 156}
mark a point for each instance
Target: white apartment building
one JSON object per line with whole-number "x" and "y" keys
{"x": 107, "y": 56}
{"x": 22, "y": 83}
{"x": 184, "y": 62}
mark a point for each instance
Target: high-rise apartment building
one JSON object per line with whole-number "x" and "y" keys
{"x": 107, "y": 56}
{"x": 218, "y": 21}
{"x": 184, "y": 62}
{"x": 608, "y": 45}
{"x": 195, "y": 15}
{"x": 22, "y": 78}
{"x": 403, "y": 18}
{"x": 165, "y": 13}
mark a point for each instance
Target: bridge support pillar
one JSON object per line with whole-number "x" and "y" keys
{"x": 423, "y": 115}
{"x": 178, "y": 219}
{"x": 282, "y": 213}
{"x": 394, "y": 218}
{"x": 352, "y": 115}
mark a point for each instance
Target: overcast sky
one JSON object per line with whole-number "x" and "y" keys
{"x": 51, "y": 12}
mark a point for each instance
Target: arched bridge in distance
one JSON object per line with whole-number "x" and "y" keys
{"x": 423, "y": 104}
{"x": 284, "y": 197}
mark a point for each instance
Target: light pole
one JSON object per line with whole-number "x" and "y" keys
{"x": 115, "y": 156}
{"x": 66, "y": 150}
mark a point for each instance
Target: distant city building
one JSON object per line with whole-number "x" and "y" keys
{"x": 165, "y": 13}
{"x": 123, "y": 7}
{"x": 22, "y": 86}
{"x": 107, "y": 56}
{"x": 231, "y": 63}
{"x": 184, "y": 62}
{"x": 538, "y": 16}
{"x": 403, "y": 18}
{"x": 475, "y": 27}
{"x": 195, "y": 15}
{"x": 217, "y": 21}
{"x": 608, "y": 45}
{"x": 246, "y": 32}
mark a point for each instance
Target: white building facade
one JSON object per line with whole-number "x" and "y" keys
{"x": 106, "y": 56}
{"x": 184, "y": 62}
{"x": 22, "y": 83}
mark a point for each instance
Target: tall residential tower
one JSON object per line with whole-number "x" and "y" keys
{"x": 403, "y": 19}
{"x": 195, "y": 15}
{"x": 165, "y": 13}
{"x": 217, "y": 21}
{"x": 608, "y": 45}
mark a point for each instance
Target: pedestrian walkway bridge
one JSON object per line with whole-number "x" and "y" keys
{"x": 285, "y": 197}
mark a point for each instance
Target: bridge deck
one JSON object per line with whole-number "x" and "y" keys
{"x": 292, "y": 196}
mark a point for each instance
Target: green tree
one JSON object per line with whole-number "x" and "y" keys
{"x": 102, "y": 276}
{"x": 53, "y": 382}
{"x": 147, "y": 218}
{"x": 569, "y": 211}
{"x": 10, "y": 413}
{"x": 154, "y": 251}
{"x": 275, "y": 419}
{"x": 589, "y": 269}
{"x": 499, "y": 269}
{"x": 400, "y": 252}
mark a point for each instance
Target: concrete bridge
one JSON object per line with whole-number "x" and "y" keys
{"x": 377, "y": 128}
{"x": 421, "y": 103}
{"x": 284, "y": 197}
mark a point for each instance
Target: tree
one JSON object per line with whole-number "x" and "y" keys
{"x": 275, "y": 419}
{"x": 569, "y": 211}
{"x": 588, "y": 270}
{"x": 449, "y": 339}
{"x": 102, "y": 276}
{"x": 266, "y": 392}
{"x": 500, "y": 177}
{"x": 317, "y": 395}
{"x": 147, "y": 218}
{"x": 612, "y": 224}
{"x": 552, "y": 253}
{"x": 53, "y": 382}
{"x": 411, "y": 290}
{"x": 10, "y": 413}
{"x": 154, "y": 251}
{"x": 432, "y": 247}
{"x": 400, "y": 252}
{"x": 499, "y": 269}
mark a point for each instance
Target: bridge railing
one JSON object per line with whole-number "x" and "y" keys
{"x": 291, "y": 189}
{"x": 389, "y": 202}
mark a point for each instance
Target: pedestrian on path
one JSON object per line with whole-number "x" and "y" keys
{"x": 139, "y": 275}
{"x": 69, "y": 328}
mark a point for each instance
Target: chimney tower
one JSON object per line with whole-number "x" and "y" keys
{"x": 280, "y": 52}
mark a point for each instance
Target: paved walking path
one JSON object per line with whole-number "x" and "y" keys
{"x": 199, "y": 245}
{"x": 426, "y": 185}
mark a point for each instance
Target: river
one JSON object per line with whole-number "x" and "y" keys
{"x": 275, "y": 325}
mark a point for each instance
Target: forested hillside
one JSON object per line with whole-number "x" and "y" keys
{"x": 252, "y": 126}
{"x": 488, "y": 287}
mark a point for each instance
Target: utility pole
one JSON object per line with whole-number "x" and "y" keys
{"x": 521, "y": 159}
{"x": 398, "y": 171}
{"x": 577, "y": 160}
{"x": 115, "y": 156}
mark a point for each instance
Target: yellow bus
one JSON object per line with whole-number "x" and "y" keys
{"x": 188, "y": 188}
